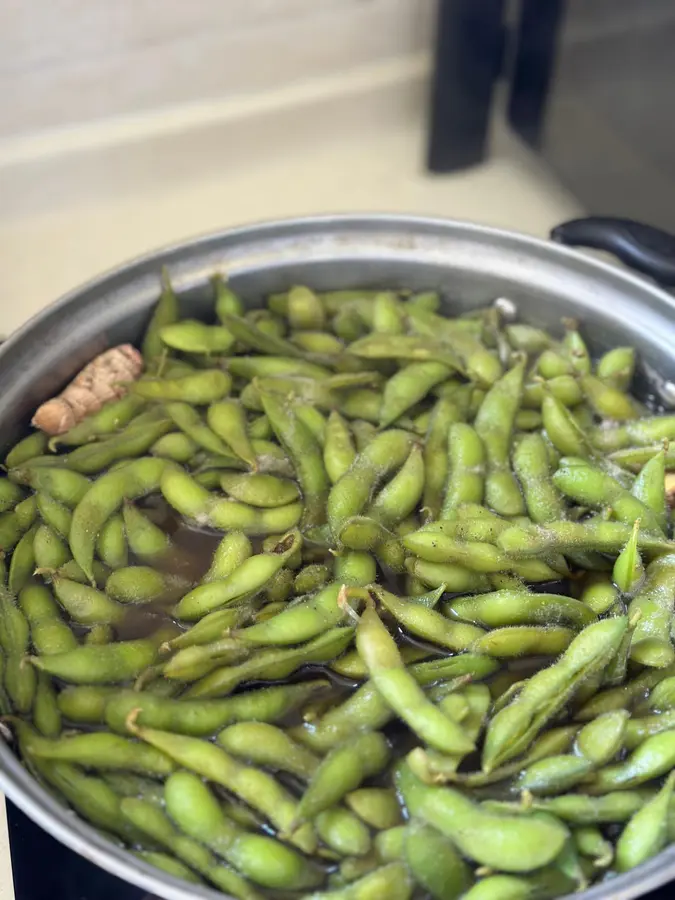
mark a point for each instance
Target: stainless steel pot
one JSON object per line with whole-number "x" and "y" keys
{"x": 470, "y": 264}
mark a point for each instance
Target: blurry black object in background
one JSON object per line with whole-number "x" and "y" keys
{"x": 590, "y": 86}
{"x": 470, "y": 41}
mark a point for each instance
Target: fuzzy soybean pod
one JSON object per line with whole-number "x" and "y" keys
{"x": 426, "y": 623}
{"x": 22, "y": 563}
{"x": 98, "y": 750}
{"x": 30, "y": 447}
{"x": 227, "y": 302}
{"x": 84, "y": 604}
{"x": 590, "y": 486}
{"x": 143, "y": 584}
{"x": 135, "y": 440}
{"x": 266, "y": 491}
{"x": 176, "y": 446}
{"x": 388, "y": 314}
{"x": 355, "y": 567}
{"x": 401, "y": 692}
{"x": 108, "y": 664}
{"x": 651, "y": 759}
{"x": 306, "y": 455}
{"x": 255, "y": 787}
{"x": 523, "y": 640}
{"x": 338, "y": 449}
{"x": 646, "y": 833}
{"x": 599, "y": 592}
{"x": 203, "y": 717}
{"x": 628, "y": 572}
{"x": 89, "y": 796}
{"x": 366, "y": 709}
{"x": 650, "y": 487}
{"x": 54, "y": 514}
{"x": 377, "y": 807}
{"x": 111, "y": 417}
{"x": 400, "y": 496}
{"x": 455, "y": 578}
{"x": 190, "y": 422}
{"x": 48, "y": 632}
{"x": 392, "y": 881}
{"x": 515, "y": 726}
{"x": 231, "y": 552}
{"x": 266, "y": 745}
{"x": 272, "y": 664}
{"x": 624, "y": 696}
{"x": 494, "y": 425}
{"x": 213, "y": 626}
{"x": 103, "y": 499}
{"x": 466, "y": 468}
{"x": 434, "y": 862}
{"x": 435, "y": 452}
{"x": 498, "y": 609}
{"x": 506, "y": 843}
{"x": 146, "y": 540}
{"x": 111, "y": 543}
{"x": 408, "y": 386}
{"x": 10, "y": 530}
{"x": 562, "y": 537}
{"x": 192, "y": 336}
{"x": 662, "y": 697}
{"x": 63, "y": 485}
{"x": 249, "y": 577}
{"x": 603, "y": 737}
{"x": 10, "y": 495}
{"x": 343, "y": 770}
{"x": 165, "y": 313}
{"x": 248, "y": 334}
{"x": 343, "y": 832}
{"x": 192, "y": 663}
{"x": 267, "y": 862}
{"x": 531, "y": 464}
{"x": 608, "y": 401}
{"x": 476, "y": 556}
{"x": 638, "y": 433}
{"x": 227, "y": 420}
{"x": 300, "y": 622}
{"x": 616, "y": 367}
{"x": 200, "y": 388}
{"x": 651, "y": 644}
{"x": 385, "y": 454}
{"x": 45, "y": 713}
{"x": 14, "y": 638}
{"x": 153, "y": 823}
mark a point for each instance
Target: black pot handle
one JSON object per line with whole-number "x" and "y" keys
{"x": 645, "y": 248}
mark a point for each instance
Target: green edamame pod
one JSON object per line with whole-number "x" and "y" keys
{"x": 30, "y": 447}
{"x": 514, "y": 727}
{"x": 515, "y": 844}
{"x": 261, "y": 858}
{"x": 49, "y": 633}
{"x": 227, "y": 420}
{"x": 110, "y": 664}
{"x": 165, "y": 313}
{"x": 146, "y": 540}
{"x": 494, "y": 424}
{"x": 111, "y": 543}
{"x": 342, "y": 771}
{"x": 400, "y": 690}
{"x": 434, "y": 862}
{"x": 647, "y": 832}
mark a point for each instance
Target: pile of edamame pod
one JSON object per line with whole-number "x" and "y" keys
{"x": 350, "y": 599}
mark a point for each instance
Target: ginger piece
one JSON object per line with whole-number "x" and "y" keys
{"x": 105, "y": 378}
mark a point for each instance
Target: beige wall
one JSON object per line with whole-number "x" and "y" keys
{"x": 64, "y": 62}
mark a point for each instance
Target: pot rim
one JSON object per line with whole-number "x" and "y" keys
{"x": 15, "y": 780}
